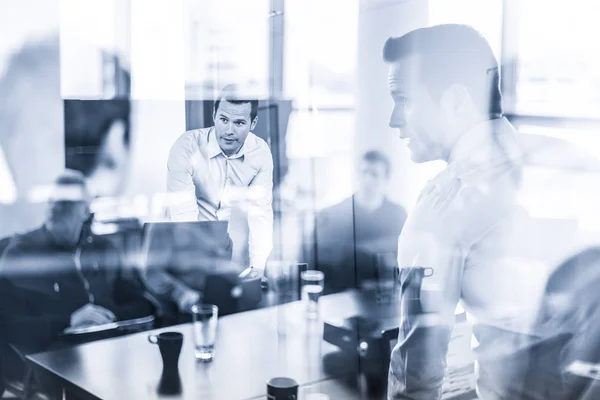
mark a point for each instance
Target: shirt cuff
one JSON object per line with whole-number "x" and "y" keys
{"x": 258, "y": 262}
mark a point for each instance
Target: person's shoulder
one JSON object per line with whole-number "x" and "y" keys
{"x": 259, "y": 149}
{"x": 34, "y": 236}
{"x": 190, "y": 140}
{"x": 395, "y": 209}
{"x": 256, "y": 143}
{"x": 340, "y": 208}
{"x": 553, "y": 153}
{"x": 100, "y": 242}
{"x": 32, "y": 240}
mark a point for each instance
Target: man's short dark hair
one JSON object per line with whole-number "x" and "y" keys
{"x": 375, "y": 156}
{"x": 229, "y": 93}
{"x": 452, "y": 54}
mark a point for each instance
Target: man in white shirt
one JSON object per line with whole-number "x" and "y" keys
{"x": 471, "y": 223}
{"x": 213, "y": 169}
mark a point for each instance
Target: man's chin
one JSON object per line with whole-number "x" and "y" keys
{"x": 230, "y": 147}
{"x": 420, "y": 158}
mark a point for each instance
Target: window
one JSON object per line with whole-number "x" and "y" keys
{"x": 556, "y": 57}
{"x": 227, "y": 41}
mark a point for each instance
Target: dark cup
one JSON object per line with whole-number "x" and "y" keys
{"x": 169, "y": 344}
{"x": 282, "y": 388}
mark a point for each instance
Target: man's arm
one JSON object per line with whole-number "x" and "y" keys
{"x": 181, "y": 190}
{"x": 156, "y": 277}
{"x": 165, "y": 286}
{"x": 24, "y": 322}
{"x": 418, "y": 362}
{"x": 260, "y": 214}
{"x": 438, "y": 234}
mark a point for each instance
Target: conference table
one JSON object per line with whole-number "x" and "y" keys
{"x": 251, "y": 348}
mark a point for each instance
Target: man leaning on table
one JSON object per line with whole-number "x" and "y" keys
{"x": 472, "y": 223}
{"x": 214, "y": 169}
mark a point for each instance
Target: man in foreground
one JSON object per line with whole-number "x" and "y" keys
{"x": 470, "y": 223}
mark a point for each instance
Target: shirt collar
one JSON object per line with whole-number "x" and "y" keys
{"x": 476, "y": 144}
{"x": 214, "y": 149}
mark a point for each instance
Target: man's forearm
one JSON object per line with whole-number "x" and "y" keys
{"x": 418, "y": 362}
{"x": 163, "y": 284}
{"x": 260, "y": 224}
{"x": 182, "y": 206}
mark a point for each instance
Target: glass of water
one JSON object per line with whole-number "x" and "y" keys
{"x": 312, "y": 286}
{"x": 205, "y": 330}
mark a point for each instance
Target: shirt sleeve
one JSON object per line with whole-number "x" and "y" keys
{"x": 260, "y": 213}
{"x": 438, "y": 234}
{"x": 181, "y": 191}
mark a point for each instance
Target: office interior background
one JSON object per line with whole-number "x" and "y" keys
{"x": 317, "y": 68}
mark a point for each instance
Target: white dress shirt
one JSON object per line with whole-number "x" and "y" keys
{"x": 204, "y": 184}
{"x": 473, "y": 226}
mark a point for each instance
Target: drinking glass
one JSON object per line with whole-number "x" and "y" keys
{"x": 386, "y": 275}
{"x": 312, "y": 286}
{"x": 283, "y": 278}
{"x": 205, "y": 330}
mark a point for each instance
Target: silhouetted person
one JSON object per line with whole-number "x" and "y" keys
{"x": 349, "y": 235}
{"x": 65, "y": 275}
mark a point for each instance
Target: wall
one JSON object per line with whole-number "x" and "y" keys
{"x": 378, "y": 21}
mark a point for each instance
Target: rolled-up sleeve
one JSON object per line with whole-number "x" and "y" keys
{"x": 181, "y": 200}
{"x": 260, "y": 213}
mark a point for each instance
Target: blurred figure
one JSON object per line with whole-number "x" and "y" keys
{"x": 63, "y": 276}
{"x": 350, "y": 234}
{"x": 470, "y": 223}
{"x": 96, "y": 134}
{"x": 212, "y": 170}
{"x": 97, "y": 137}
{"x": 31, "y": 128}
{"x": 570, "y": 337}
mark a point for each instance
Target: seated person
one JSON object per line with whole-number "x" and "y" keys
{"x": 350, "y": 235}
{"x": 61, "y": 275}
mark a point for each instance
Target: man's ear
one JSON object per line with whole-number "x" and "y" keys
{"x": 253, "y": 124}
{"x": 455, "y": 100}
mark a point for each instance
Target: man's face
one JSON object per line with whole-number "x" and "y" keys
{"x": 66, "y": 217}
{"x": 232, "y": 125}
{"x": 109, "y": 175}
{"x": 418, "y": 117}
{"x": 372, "y": 179}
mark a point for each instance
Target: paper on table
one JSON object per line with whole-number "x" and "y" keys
{"x": 585, "y": 369}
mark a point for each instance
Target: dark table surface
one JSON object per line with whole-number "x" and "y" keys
{"x": 251, "y": 348}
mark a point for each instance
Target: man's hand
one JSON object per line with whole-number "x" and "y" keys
{"x": 91, "y": 315}
{"x": 252, "y": 272}
{"x": 187, "y": 300}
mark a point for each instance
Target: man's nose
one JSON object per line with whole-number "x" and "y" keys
{"x": 397, "y": 119}
{"x": 230, "y": 129}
